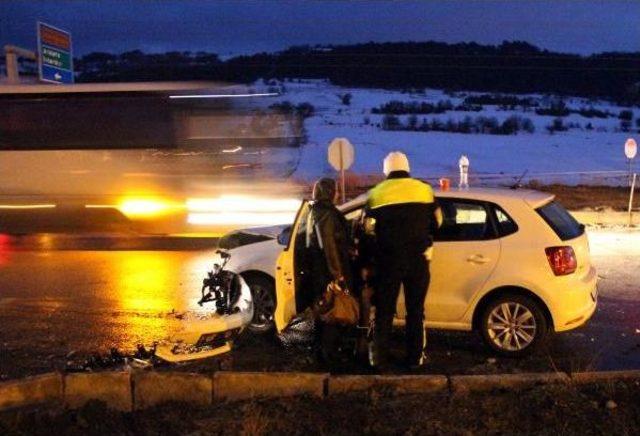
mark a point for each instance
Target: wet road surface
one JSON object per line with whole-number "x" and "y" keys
{"x": 60, "y": 305}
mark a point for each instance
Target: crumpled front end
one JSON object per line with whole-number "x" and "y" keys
{"x": 210, "y": 334}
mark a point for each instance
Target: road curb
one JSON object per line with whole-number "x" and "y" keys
{"x": 479, "y": 383}
{"x": 152, "y": 388}
{"x": 245, "y": 385}
{"x": 404, "y": 384}
{"x": 31, "y": 391}
{"x": 128, "y": 391}
{"x": 606, "y": 376}
{"x": 114, "y": 388}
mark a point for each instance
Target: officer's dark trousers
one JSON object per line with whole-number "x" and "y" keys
{"x": 413, "y": 273}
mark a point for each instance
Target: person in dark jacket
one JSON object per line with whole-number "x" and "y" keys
{"x": 404, "y": 216}
{"x": 327, "y": 243}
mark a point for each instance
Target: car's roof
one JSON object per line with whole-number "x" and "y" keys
{"x": 498, "y": 195}
{"x": 494, "y": 195}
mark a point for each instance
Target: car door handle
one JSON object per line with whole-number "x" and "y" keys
{"x": 478, "y": 258}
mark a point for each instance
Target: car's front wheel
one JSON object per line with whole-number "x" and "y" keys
{"x": 263, "y": 294}
{"x": 513, "y": 325}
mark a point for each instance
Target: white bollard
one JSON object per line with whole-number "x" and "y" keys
{"x": 463, "y": 163}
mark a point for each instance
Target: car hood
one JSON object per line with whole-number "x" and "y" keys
{"x": 271, "y": 231}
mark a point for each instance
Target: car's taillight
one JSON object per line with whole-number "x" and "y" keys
{"x": 562, "y": 260}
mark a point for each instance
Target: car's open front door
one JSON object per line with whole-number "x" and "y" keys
{"x": 286, "y": 270}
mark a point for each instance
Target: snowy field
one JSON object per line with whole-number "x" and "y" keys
{"x": 579, "y": 155}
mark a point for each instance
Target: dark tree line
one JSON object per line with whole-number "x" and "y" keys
{"x": 514, "y": 67}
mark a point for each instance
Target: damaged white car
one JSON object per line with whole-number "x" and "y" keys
{"x": 512, "y": 264}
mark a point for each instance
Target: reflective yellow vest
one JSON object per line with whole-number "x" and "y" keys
{"x": 398, "y": 191}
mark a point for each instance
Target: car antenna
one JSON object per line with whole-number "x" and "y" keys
{"x": 517, "y": 184}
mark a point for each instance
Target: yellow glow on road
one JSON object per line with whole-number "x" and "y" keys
{"x": 146, "y": 287}
{"x": 27, "y": 206}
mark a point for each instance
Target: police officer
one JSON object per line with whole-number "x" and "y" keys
{"x": 403, "y": 214}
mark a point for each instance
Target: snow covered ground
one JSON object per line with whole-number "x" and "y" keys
{"x": 576, "y": 156}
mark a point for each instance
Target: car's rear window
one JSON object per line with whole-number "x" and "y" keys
{"x": 561, "y": 221}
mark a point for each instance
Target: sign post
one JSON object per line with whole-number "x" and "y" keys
{"x": 341, "y": 155}
{"x": 633, "y": 185}
{"x": 55, "y": 54}
{"x": 630, "y": 150}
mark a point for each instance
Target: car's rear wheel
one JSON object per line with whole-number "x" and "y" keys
{"x": 513, "y": 325}
{"x": 263, "y": 294}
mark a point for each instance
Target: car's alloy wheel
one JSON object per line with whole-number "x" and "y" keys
{"x": 513, "y": 325}
{"x": 264, "y": 304}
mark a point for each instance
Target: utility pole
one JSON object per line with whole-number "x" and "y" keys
{"x": 12, "y": 53}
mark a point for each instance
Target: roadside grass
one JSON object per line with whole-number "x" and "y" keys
{"x": 584, "y": 196}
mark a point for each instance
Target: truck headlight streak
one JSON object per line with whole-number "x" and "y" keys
{"x": 239, "y": 203}
{"x": 228, "y": 210}
{"x": 241, "y": 210}
{"x": 27, "y": 206}
{"x": 141, "y": 207}
{"x": 144, "y": 207}
{"x": 240, "y": 218}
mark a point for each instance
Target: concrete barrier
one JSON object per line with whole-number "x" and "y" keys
{"x": 31, "y": 390}
{"x": 404, "y": 384}
{"x": 469, "y": 383}
{"x": 151, "y": 388}
{"x": 243, "y": 385}
{"x": 604, "y": 376}
{"x": 114, "y": 388}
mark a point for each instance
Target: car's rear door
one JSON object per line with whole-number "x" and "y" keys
{"x": 290, "y": 271}
{"x": 465, "y": 253}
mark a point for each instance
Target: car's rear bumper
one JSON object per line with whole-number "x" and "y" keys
{"x": 575, "y": 306}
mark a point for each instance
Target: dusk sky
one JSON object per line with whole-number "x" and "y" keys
{"x": 239, "y": 27}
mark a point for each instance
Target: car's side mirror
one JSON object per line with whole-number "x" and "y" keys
{"x": 284, "y": 236}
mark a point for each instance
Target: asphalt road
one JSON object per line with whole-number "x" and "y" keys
{"x": 61, "y": 305}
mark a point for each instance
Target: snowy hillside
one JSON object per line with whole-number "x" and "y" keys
{"x": 590, "y": 145}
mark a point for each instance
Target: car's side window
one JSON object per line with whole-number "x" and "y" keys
{"x": 506, "y": 225}
{"x": 464, "y": 220}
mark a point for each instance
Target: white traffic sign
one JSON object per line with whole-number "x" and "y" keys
{"x": 341, "y": 154}
{"x": 630, "y": 148}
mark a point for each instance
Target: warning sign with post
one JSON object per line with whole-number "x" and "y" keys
{"x": 630, "y": 148}
{"x": 55, "y": 54}
{"x": 341, "y": 156}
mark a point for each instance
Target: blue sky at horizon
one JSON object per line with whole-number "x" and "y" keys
{"x": 249, "y": 26}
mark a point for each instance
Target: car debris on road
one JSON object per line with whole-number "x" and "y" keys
{"x": 201, "y": 336}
